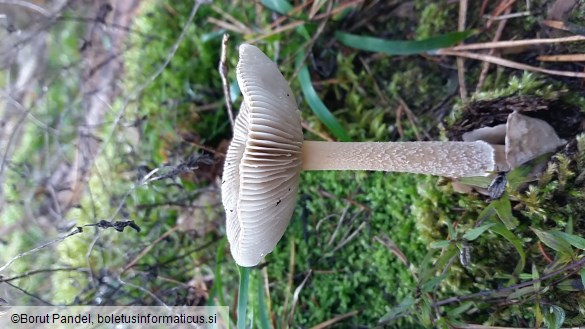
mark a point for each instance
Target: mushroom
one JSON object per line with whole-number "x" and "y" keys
{"x": 520, "y": 139}
{"x": 267, "y": 154}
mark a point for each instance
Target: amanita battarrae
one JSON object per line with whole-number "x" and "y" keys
{"x": 267, "y": 154}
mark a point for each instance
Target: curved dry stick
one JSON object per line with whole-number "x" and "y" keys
{"x": 517, "y": 43}
{"x": 27, "y": 5}
{"x": 508, "y": 63}
{"x": 223, "y": 72}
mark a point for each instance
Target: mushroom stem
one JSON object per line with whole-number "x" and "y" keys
{"x": 450, "y": 159}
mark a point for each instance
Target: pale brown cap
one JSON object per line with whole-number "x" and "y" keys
{"x": 262, "y": 166}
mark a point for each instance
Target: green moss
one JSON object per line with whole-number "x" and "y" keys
{"x": 364, "y": 273}
{"x": 433, "y": 19}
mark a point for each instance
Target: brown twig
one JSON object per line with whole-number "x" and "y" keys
{"x": 509, "y": 63}
{"x": 335, "y": 319}
{"x": 505, "y": 6}
{"x": 148, "y": 248}
{"x": 516, "y": 43}
{"x": 309, "y": 45}
{"x": 294, "y": 11}
{"x": 328, "y": 195}
{"x": 323, "y": 135}
{"x": 28, "y": 5}
{"x": 296, "y": 298}
{"x": 413, "y": 120}
{"x": 281, "y": 29}
{"x": 461, "y": 61}
{"x": 267, "y": 294}
{"x": 338, "y": 9}
{"x": 208, "y": 149}
{"x": 398, "y": 120}
{"x": 562, "y": 58}
{"x": 486, "y": 65}
{"x": 226, "y": 25}
{"x": 290, "y": 277}
{"x": 559, "y": 25}
{"x": 232, "y": 19}
{"x": 33, "y": 272}
{"x": 544, "y": 253}
{"x": 391, "y": 245}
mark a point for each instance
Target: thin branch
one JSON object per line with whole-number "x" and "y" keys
{"x": 516, "y": 43}
{"x": 223, "y": 72}
{"x": 514, "y": 15}
{"x": 29, "y": 294}
{"x": 159, "y": 301}
{"x": 239, "y": 25}
{"x": 10, "y": 141}
{"x": 296, "y": 294}
{"x": 33, "y": 272}
{"x": 225, "y": 25}
{"x": 27, "y": 5}
{"x": 508, "y": 63}
{"x": 575, "y": 265}
{"x": 460, "y": 61}
{"x": 562, "y": 58}
{"x": 335, "y": 319}
{"x": 279, "y": 30}
{"x": 486, "y": 65}
{"x": 43, "y": 246}
{"x": 148, "y": 248}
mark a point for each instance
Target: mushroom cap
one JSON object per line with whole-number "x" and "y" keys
{"x": 263, "y": 162}
{"x": 528, "y": 138}
{"x": 519, "y": 140}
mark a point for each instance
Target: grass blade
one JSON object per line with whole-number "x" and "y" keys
{"x": 320, "y": 110}
{"x": 502, "y": 230}
{"x": 503, "y": 208}
{"x": 474, "y": 233}
{"x": 264, "y": 322}
{"x": 243, "y": 296}
{"x": 398, "y": 311}
{"x": 216, "y": 290}
{"x": 555, "y": 317}
{"x": 574, "y": 240}
{"x": 440, "y": 244}
{"x": 432, "y": 284}
{"x": 557, "y": 243}
{"x": 464, "y": 307}
{"x": 280, "y": 6}
{"x": 400, "y": 47}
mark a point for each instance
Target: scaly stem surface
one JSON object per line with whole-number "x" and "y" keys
{"x": 449, "y": 159}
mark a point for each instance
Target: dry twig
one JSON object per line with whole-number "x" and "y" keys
{"x": 562, "y": 58}
{"x": 516, "y": 43}
{"x": 223, "y": 72}
{"x": 486, "y": 65}
{"x": 509, "y": 63}
{"x": 460, "y": 61}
